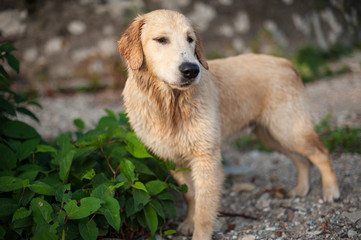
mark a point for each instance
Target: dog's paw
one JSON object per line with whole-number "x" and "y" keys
{"x": 298, "y": 191}
{"x": 186, "y": 228}
{"x": 331, "y": 193}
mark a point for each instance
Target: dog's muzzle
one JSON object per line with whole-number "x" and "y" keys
{"x": 189, "y": 72}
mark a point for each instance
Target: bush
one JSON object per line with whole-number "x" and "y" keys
{"x": 339, "y": 140}
{"x": 90, "y": 184}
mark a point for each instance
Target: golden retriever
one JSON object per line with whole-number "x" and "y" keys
{"x": 182, "y": 107}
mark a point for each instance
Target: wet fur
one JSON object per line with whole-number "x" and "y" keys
{"x": 187, "y": 126}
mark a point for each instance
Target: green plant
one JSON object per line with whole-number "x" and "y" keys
{"x": 311, "y": 61}
{"x": 91, "y": 184}
{"x": 336, "y": 139}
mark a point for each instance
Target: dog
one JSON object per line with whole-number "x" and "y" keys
{"x": 182, "y": 107}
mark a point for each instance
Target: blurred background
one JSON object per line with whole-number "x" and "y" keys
{"x": 68, "y": 47}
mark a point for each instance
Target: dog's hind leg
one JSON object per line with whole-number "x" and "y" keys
{"x": 303, "y": 164}
{"x": 187, "y": 226}
{"x": 295, "y": 133}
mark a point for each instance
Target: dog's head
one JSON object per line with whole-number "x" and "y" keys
{"x": 167, "y": 44}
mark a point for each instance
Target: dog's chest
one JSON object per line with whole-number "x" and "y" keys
{"x": 193, "y": 134}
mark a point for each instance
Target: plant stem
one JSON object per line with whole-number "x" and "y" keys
{"x": 110, "y": 166}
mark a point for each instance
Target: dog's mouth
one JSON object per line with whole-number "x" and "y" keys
{"x": 187, "y": 84}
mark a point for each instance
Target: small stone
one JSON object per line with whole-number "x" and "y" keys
{"x": 353, "y": 216}
{"x": 247, "y": 237}
{"x": 243, "y": 187}
{"x": 30, "y": 54}
{"x": 351, "y": 233}
{"x": 54, "y": 45}
{"x": 76, "y": 27}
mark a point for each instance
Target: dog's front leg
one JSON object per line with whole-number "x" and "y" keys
{"x": 207, "y": 174}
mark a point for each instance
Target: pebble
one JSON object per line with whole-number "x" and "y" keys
{"x": 247, "y": 237}
{"x": 351, "y": 233}
{"x": 76, "y": 27}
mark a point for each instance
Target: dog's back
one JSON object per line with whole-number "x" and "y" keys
{"x": 249, "y": 84}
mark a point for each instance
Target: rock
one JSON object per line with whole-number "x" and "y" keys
{"x": 353, "y": 216}
{"x": 247, "y": 237}
{"x": 30, "y": 54}
{"x": 202, "y": 14}
{"x": 243, "y": 187}
{"x": 54, "y": 45}
{"x": 351, "y": 233}
{"x": 76, "y": 27}
{"x": 11, "y": 22}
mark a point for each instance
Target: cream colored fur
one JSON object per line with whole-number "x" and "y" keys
{"x": 187, "y": 124}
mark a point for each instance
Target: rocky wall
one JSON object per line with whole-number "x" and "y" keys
{"x": 72, "y": 44}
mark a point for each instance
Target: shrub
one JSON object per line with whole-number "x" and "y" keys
{"x": 90, "y": 184}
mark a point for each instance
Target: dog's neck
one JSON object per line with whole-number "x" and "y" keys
{"x": 174, "y": 105}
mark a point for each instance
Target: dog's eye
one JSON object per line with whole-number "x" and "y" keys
{"x": 189, "y": 39}
{"x": 161, "y": 40}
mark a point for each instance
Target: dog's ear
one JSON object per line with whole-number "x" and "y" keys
{"x": 199, "y": 50}
{"x": 130, "y": 46}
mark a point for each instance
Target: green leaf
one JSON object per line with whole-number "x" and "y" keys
{"x": 27, "y": 148}
{"x": 7, "y": 48}
{"x": 3, "y": 72}
{"x": 65, "y": 161}
{"x": 106, "y": 122}
{"x": 156, "y": 186}
{"x": 166, "y": 196}
{"x": 8, "y": 183}
{"x": 110, "y": 113}
{"x": 116, "y": 132}
{"x": 20, "y": 130}
{"x": 87, "y": 206}
{"x": 89, "y": 175}
{"x": 60, "y": 194}
{"x": 169, "y": 207}
{"x": 182, "y": 188}
{"x": 46, "y": 148}
{"x": 127, "y": 168}
{"x": 95, "y": 138}
{"x": 2, "y": 232}
{"x": 79, "y": 123}
{"x": 183, "y": 170}
{"x": 158, "y": 208}
{"x": 4, "y": 81}
{"x": 12, "y": 61}
{"x": 7, "y": 158}
{"x": 151, "y": 218}
{"x": 41, "y": 210}
{"x": 139, "y": 185}
{"x": 101, "y": 192}
{"x": 28, "y": 113}
{"x": 7, "y": 107}
{"x": 7, "y": 207}
{"x": 169, "y": 232}
{"x": 140, "y": 167}
{"x": 135, "y": 146}
{"x": 42, "y": 188}
{"x": 21, "y": 213}
{"x": 111, "y": 211}
{"x": 89, "y": 230}
{"x": 140, "y": 197}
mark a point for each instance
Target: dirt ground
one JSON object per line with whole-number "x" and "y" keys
{"x": 253, "y": 200}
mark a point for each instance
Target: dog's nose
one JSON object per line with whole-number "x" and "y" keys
{"x": 189, "y": 70}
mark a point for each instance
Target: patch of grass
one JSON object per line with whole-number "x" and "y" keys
{"x": 339, "y": 140}
{"x": 215, "y": 54}
{"x": 250, "y": 142}
{"x": 311, "y": 61}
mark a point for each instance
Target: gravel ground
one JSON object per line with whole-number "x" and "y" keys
{"x": 256, "y": 181}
